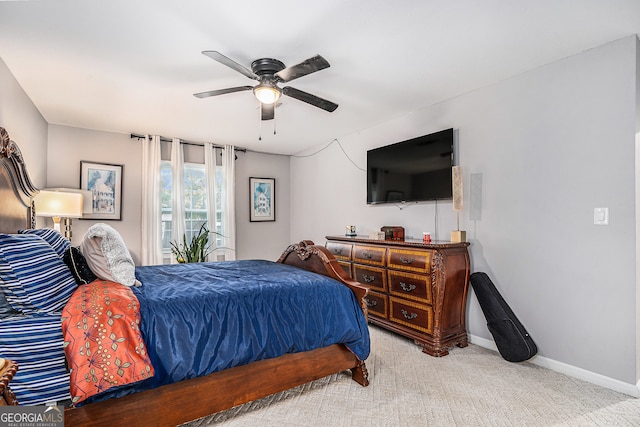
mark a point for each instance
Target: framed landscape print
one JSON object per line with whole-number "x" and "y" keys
{"x": 104, "y": 181}
{"x": 262, "y": 194}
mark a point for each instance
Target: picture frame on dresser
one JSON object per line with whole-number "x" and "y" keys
{"x": 104, "y": 181}
{"x": 262, "y": 199}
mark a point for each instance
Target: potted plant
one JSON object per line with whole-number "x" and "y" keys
{"x": 195, "y": 251}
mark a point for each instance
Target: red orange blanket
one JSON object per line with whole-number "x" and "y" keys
{"x": 102, "y": 339}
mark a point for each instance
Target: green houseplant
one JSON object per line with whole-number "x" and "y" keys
{"x": 196, "y": 250}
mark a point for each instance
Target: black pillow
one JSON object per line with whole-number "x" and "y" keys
{"x": 78, "y": 265}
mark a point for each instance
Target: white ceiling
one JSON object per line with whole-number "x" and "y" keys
{"x": 134, "y": 65}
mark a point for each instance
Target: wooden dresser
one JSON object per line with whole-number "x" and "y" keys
{"x": 415, "y": 289}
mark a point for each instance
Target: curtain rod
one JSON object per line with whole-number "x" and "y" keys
{"x": 199, "y": 144}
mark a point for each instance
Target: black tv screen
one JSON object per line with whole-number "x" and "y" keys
{"x": 418, "y": 169}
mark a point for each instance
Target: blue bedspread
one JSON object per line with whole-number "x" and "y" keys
{"x": 206, "y": 317}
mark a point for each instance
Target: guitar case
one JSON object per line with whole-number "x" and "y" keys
{"x": 512, "y": 339}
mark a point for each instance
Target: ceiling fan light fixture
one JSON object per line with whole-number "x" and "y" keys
{"x": 269, "y": 72}
{"x": 267, "y": 94}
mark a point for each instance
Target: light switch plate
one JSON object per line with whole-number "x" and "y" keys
{"x": 601, "y": 216}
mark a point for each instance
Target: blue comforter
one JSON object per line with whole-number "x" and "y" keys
{"x": 205, "y": 317}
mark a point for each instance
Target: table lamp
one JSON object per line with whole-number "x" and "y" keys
{"x": 57, "y": 205}
{"x": 457, "y": 235}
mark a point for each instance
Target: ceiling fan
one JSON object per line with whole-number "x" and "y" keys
{"x": 269, "y": 72}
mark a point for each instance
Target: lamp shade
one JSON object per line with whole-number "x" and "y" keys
{"x": 87, "y": 197}
{"x": 456, "y": 177}
{"x": 58, "y": 204}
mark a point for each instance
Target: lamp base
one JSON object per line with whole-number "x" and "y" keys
{"x": 458, "y": 236}
{"x": 67, "y": 228}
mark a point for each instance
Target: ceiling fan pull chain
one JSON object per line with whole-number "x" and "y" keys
{"x": 260, "y": 131}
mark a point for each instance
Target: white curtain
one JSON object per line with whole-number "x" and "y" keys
{"x": 227, "y": 250}
{"x": 151, "y": 251}
{"x": 177, "y": 194}
{"x": 210, "y": 168}
{"x": 226, "y": 186}
{"x": 229, "y": 201}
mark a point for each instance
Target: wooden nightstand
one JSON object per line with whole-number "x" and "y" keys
{"x": 7, "y": 370}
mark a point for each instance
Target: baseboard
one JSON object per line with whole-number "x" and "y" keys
{"x": 572, "y": 371}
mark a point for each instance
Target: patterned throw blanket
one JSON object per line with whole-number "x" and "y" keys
{"x": 102, "y": 339}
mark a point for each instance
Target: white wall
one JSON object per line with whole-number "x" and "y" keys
{"x": 25, "y": 125}
{"x": 264, "y": 240}
{"x": 550, "y": 145}
{"x": 637, "y": 212}
{"x": 638, "y": 244}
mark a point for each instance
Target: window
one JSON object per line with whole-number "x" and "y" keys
{"x": 195, "y": 203}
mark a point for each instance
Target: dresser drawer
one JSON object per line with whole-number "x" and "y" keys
{"x": 371, "y": 255}
{"x": 411, "y": 314}
{"x": 342, "y": 251}
{"x": 411, "y": 286}
{"x": 346, "y": 266}
{"x": 409, "y": 260}
{"x": 377, "y": 304}
{"x": 372, "y": 277}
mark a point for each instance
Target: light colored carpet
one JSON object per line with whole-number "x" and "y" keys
{"x": 472, "y": 386}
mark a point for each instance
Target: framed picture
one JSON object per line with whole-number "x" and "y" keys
{"x": 104, "y": 181}
{"x": 262, "y": 194}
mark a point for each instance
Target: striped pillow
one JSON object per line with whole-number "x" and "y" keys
{"x": 35, "y": 343}
{"x": 52, "y": 237}
{"x": 33, "y": 277}
{"x": 6, "y": 309}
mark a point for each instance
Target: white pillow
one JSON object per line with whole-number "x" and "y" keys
{"x": 108, "y": 256}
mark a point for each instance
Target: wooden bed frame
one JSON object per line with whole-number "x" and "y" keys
{"x": 188, "y": 400}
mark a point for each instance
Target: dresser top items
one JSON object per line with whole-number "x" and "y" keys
{"x": 419, "y": 244}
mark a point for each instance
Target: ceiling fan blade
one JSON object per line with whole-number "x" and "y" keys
{"x": 309, "y": 66}
{"x": 267, "y": 111}
{"x": 222, "y": 91}
{"x": 217, "y": 56}
{"x": 316, "y": 101}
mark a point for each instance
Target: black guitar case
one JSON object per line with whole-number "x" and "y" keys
{"x": 512, "y": 339}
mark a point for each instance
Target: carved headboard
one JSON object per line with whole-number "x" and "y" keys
{"x": 16, "y": 189}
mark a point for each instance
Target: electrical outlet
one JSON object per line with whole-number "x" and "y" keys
{"x": 601, "y": 216}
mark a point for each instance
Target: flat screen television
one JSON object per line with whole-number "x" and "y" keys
{"x": 415, "y": 170}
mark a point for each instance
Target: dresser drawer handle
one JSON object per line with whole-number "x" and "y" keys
{"x": 407, "y": 288}
{"x": 371, "y": 303}
{"x": 368, "y": 279}
{"x": 337, "y": 251}
{"x": 408, "y": 316}
{"x": 406, "y": 260}
{"x": 367, "y": 255}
